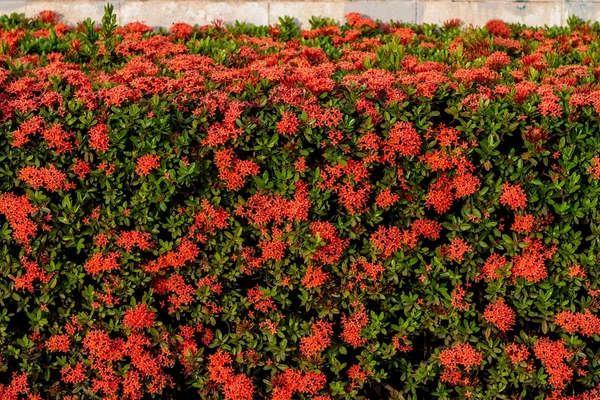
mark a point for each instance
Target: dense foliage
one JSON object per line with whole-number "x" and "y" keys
{"x": 368, "y": 210}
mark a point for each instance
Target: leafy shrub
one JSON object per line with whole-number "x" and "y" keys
{"x": 367, "y": 210}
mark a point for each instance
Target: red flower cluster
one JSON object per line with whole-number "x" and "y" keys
{"x": 463, "y": 355}
{"x": 261, "y": 209}
{"x": 58, "y": 343}
{"x": 333, "y": 249}
{"x": 57, "y": 138}
{"x": 17, "y": 386}
{"x": 139, "y": 317}
{"x": 260, "y": 301}
{"x": 353, "y": 326}
{"x": 358, "y": 21}
{"x": 99, "y": 263}
{"x": 291, "y": 381}
{"x": 49, "y": 178}
{"x": 314, "y": 277}
{"x": 456, "y": 249}
{"x": 498, "y": 28}
{"x": 232, "y": 170}
{"x": 531, "y": 263}
{"x": 358, "y": 375}
{"x": 390, "y": 239}
{"x": 594, "y": 169}
{"x": 492, "y": 266}
{"x": 186, "y": 252}
{"x": 74, "y": 375}
{"x": 311, "y": 345}
{"x": 524, "y": 223}
{"x": 404, "y": 140}
{"x": 517, "y": 352}
{"x": 500, "y": 315}
{"x": 17, "y": 210}
{"x": 147, "y": 163}
{"x": 513, "y": 196}
{"x": 386, "y": 199}
{"x": 32, "y": 272}
{"x": 99, "y": 139}
{"x": 129, "y": 240}
{"x": 235, "y": 386}
{"x": 457, "y": 298}
{"x": 289, "y": 123}
{"x": 181, "y": 30}
{"x": 585, "y": 323}
{"x": 552, "y": 355}
{"x": 82, "y": 168}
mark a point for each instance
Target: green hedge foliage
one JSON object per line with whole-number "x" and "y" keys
{"x": 361, "y": 211}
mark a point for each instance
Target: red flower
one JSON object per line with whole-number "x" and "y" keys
{"x": 314, "y": 277}
{"x": 300, "y": 165}
{"x": 82, "y": 168}
{"x": 427, "y": 228}
{"x": 50, "y": 178}
{"x": 497, "y": 27}
{"x": 353, "y": 326}
{"x": 457, "y": 249}
{"x": 447, "y": 136}
{"x": 32, "y": 272}
{"x": 233, "y": 170}
{"x": 32, "y": 126}
{"x": 48, "y": 17}
{"x": 585, "y": 323}
{"x": 530, "y": 264}
{"x": 492, "y": 266}
{"x": 290, "y": 381}
{"x": 128, "y": 240}
{"x": 17, "y": 211}
{"x": 58, "y": 343}
{"x": 358, "y": 21}
{"x": 235, "y": 386}
{"x": 388, "y": 240}
{"x": 594, "y": 169}
{"x": 465, "y": 184}
{"x": 462, "y": 354}
{"x": 100, "y": 263}
{"x": 73, "y": 374}
{"x": 334, "y": 247}
{"x": 386, "y": 199}
{"x": 403, "y": 139}
{"x": 182, "y": 30}
{"x": 523, "y": 223}
{"x": 356, "y": 373}
{"x": 513, "y": 196}
{"x": 500, "y": 314}
{"x": 319, "y": 340}
{"x": 497, "y": 60}
{"x": 457, "y": 298}
{"x": 139, "y": 317}
{"x": 440, "y": 196}
{"x": 289, "y": 123}
{"x": 552, "y": 355}
{"x": 57, "y": 138}
{"x": 99, "y": 140}
{"x": 517, "y": 352}
{"x": 147, "y": 163}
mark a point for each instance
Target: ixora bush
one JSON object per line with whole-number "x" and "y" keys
{"x": 368, "y": 210}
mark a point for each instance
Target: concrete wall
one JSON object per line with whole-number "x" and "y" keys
{"x": 263, "y": 12}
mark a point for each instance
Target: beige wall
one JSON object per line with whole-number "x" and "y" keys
{"x": 166, "y": 12}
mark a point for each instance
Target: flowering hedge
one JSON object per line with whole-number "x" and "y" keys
{"x": 367, "y": 210}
